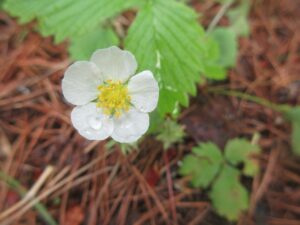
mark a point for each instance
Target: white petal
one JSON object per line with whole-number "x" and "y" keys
{"x": 130, "y": 126}
{"x": 116, "y": 64}
{"x": 79, "y": 85}
{"x": 144, "y": 91}
{"x": 128, "y": 140}
{"x": 91, "y": 123}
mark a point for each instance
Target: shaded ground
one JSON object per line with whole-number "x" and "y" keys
{"x": 100, "y": 187}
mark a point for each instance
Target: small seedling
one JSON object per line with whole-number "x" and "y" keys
{"x": 220, "y": 173}
{"x": 170, "y": 133}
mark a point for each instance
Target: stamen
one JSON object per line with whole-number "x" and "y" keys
{"x": 114, "y": 98}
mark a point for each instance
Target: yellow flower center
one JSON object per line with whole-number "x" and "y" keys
{"x": 114, "y": 98}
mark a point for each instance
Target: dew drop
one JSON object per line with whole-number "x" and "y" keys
{"x": 143, "y": 108}
{"x": 87, "y": 131}
{"x": 95, "y": 122}
{"x": 128, "y": 126}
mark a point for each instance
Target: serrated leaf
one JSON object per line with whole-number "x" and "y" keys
{"x": 239, "y": 18}
{"x": 211, "y": 67}
{"x": 227, "y": 41}
{"x": 240, "y": 151}
{"x": 67, "y": 18}
{"x": 156, "y": 120}
{"x": 70, "y": 18}
{"x": 214, "y": 71}
{"x": 228, "y": 196}
{"x": 26, "y": 10}
{"x": 166, "y": 39}
{"x": 212, "y": 50}
{"x": 203, "y": 165}
{"x": 293, "y": 115}
{"x": 170, "y": 132}
{"x": 82, "y": 47}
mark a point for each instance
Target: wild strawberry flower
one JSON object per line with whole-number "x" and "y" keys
{"x": 109, "y": 100}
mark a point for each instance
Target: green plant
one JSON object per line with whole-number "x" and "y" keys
{"x": 226, "y": 38}
{"x": 170, "y": 132}
{"x": 220, "y": 173}
{"x": 81, "y": 47}
{"x": 174, "y": 46}
{"x": 67, "y": 18}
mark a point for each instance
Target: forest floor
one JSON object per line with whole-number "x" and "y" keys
{"x": 90, "y": 185}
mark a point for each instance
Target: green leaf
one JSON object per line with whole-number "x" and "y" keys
{"x": 227, "y": 41}
{"x": 67, "y": 18}
{"x": 167, "y": 39}
{"x": 203, "y": 165}
{"x": 70, "y": 18}
{"x": 239, "y": 19}
{"x": 214, "y": 71}
{"x": 293, "y": 115}
{"x": 156, "y": 120}
{"x": 82, "y": 47}
{"x": 211, "y": 67}
{"x": 239, "y": 151}
{"x": 26, "y": 10}
{"x": 228, "y": 196}
{"x": 170, "y": 132}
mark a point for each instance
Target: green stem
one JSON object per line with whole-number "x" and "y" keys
{"x": 282, "y": 108}
{"x": 14, "y": 184}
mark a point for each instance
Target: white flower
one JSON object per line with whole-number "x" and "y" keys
{"x": 110, "y": 101}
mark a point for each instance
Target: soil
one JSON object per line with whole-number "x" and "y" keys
{"x": 144, "y": 187}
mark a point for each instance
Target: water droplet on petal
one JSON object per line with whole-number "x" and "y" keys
{"x": 127, "y": 125}
{"x": 87, "y": 131}
{"x": 95, "y": 122}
